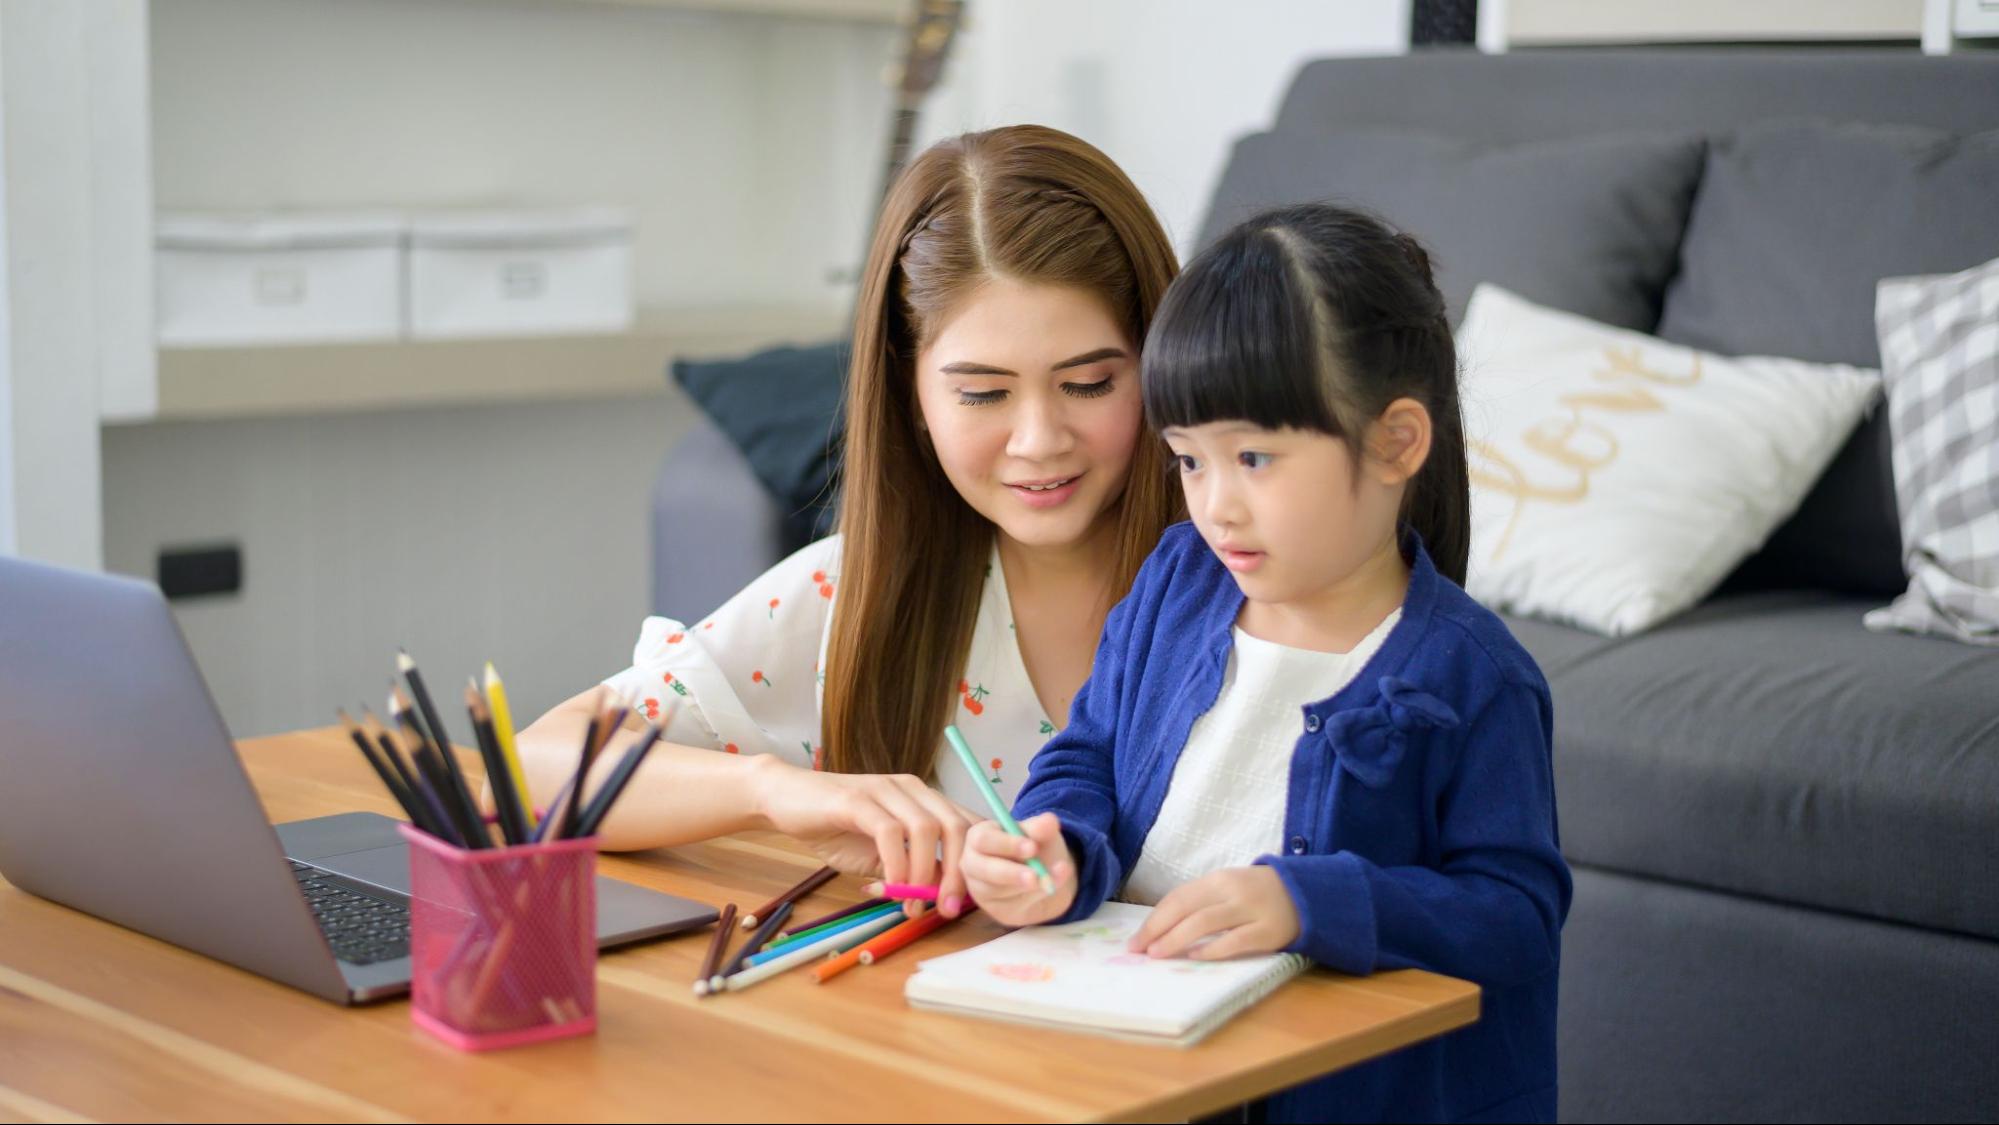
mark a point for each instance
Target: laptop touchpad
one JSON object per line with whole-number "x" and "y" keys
{"x": 387, "y": 868}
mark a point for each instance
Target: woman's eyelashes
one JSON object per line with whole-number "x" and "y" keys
{"x": 1097, "y": 389}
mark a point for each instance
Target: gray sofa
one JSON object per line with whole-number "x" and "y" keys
{"x": 1784, "y": 829}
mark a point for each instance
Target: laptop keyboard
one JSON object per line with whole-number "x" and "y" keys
{"x": 361, "y": 928}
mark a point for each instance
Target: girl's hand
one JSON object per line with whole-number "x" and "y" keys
{"x": 997, "y": 874}
{"x": 889, "y": 826}
{"x": 1245, "y": 910}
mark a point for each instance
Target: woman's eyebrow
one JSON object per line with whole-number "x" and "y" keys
{"x": 968, "y": 367}
{"x": 1097, "y": 356}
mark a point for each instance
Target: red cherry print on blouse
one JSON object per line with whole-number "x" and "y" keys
{"x": 997, "y": 763}
{"x": 732, "y": 748}
{"x": 678, "y": 687}
{"x": 974, "y": 706}
{"x": 773, "y": 608}
{"x": 757, "y": 677}
{"x": 826, "y": 590}
{"x": 676, "y": 638}
{"x": 652, "y": 709}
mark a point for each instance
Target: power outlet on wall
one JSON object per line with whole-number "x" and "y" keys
{"x": 200, "y": 571}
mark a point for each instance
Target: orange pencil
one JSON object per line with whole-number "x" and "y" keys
{"x": 876, "y": 948}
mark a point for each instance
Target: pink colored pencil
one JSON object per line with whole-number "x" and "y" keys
{"x": 897, "y": 892}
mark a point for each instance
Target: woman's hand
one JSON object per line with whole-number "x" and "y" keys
{"x": 892, "y": 826}
{"x": 997, "y": 874}
{"x": 1244, "y": 910}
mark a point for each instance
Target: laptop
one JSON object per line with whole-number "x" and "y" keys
{"x": 121, "y": 795}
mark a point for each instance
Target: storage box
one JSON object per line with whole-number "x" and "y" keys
{"x": 503, "y": 273}
{"x": 278, "y": 278}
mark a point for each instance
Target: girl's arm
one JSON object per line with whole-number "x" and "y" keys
{"x": 1491, "y": 911}
{"x": 1074, "y": 776}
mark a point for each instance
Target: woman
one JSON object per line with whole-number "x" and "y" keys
{"x": 999, "y": 492}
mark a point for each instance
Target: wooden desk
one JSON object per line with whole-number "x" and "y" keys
{"x": 97, "y": 1022}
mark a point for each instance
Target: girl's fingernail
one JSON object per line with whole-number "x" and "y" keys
{"x": 872, "y": 890}
{"x": 951, "y": 905}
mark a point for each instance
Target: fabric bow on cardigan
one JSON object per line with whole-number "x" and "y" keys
{"x": 1370, "y": 741}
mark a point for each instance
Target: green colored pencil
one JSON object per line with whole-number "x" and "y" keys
{"x": 997, "y": 806}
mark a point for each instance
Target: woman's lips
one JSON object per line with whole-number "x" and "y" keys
{"x": 1046, "y": 493}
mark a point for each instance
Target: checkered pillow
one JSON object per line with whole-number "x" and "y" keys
{"x": 1940, "y": 360}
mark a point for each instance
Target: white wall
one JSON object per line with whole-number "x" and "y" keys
{"x": 1162, "y": 86}
{"x": 74, "y": 206}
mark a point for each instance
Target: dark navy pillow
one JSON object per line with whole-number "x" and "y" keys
{"x": 782, "y": 409}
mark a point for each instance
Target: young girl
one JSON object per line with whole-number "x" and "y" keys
{"x": 1300, "y": 733}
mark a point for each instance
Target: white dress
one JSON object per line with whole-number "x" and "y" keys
{"x": 748, "y": 678}
{"x": 1225, "y": 805}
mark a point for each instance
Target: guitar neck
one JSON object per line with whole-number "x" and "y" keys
{"x": 902, "y": 136}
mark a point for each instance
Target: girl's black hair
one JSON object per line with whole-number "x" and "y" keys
{"x": 1316, "y": 317}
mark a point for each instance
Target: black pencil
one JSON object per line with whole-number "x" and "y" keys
{"x": 716, "y": 947}
{"x": 755, "y": 943}
{"x": 430, "y": 814}
{"x": 591, "y": 743}
{"x": 804, "y": 887}
{"x": 600, "y": 805}
{"x": 380, "y": 765}
{"x": 430, "y": 762}
{"x": 439, "y": 737}
{"x": 506, "y": 802}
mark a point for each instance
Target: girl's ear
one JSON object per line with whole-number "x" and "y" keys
{"x": 1398, "y": 442}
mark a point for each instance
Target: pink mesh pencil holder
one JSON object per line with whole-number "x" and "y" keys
{"x": 503, "y": 941}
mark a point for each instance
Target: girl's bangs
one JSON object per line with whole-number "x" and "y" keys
{"x": 1238, "y": 338}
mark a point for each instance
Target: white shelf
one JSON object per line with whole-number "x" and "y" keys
{"x": 859, "y": 11}
{"x": 296, "y": 379}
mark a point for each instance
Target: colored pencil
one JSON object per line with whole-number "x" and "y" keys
{"x": 434, "y": 820}
{"x": 438, "y": 735}
{"x": 380, "y": 765}
{"x": 995, "y": 805}
{"x": 904, "y": 934}
{"x": 781, "y": 946}
{"x": 594, "y": 737}
{"x": 902, "y": 891}
{"x": 755, "y": 943}
{"x": 506, "y": 799}
{"x": 621, "y": 776}
{"x": 845, "y": 911}
{"x": 805, "y": 887}
{"x": 810, "y": 951}
{"x": 451, "y": 790}
{"x": 879, "y": 946}
{"x": 716, "y": 948}
{"x": 503, "y": 730}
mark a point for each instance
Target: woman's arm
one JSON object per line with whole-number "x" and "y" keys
{"x": 862, "y": 824}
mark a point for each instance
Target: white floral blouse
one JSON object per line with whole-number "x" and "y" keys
{"x": 748, "y": 678}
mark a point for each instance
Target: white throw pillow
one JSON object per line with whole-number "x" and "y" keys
{"x": 1617, "y": 479}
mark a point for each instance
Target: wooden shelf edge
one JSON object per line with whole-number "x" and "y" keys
{"x": 307, "y": 379}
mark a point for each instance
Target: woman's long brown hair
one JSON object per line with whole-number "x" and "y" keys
{"x": 1025, "y": 203}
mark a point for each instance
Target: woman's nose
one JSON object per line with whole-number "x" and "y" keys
{"x": 1040, "y": 429}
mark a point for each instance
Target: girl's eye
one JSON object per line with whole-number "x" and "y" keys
{"x": 1187, "y": 464}
{"x": 979, "y": 398}
{"x": 1089, "y": 390}
{"x": 1251, "y": 460}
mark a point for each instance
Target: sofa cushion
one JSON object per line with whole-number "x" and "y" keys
{"x": 1588, "y": 225}
{"x": 782, "y": 408}
{"x": 1766, "y": 744}
{"x": 1794, "y": 224}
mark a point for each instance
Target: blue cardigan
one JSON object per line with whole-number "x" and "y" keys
{"x": 1419, "y": 831}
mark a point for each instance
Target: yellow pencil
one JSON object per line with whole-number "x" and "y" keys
{"x": 503, "y": 729}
